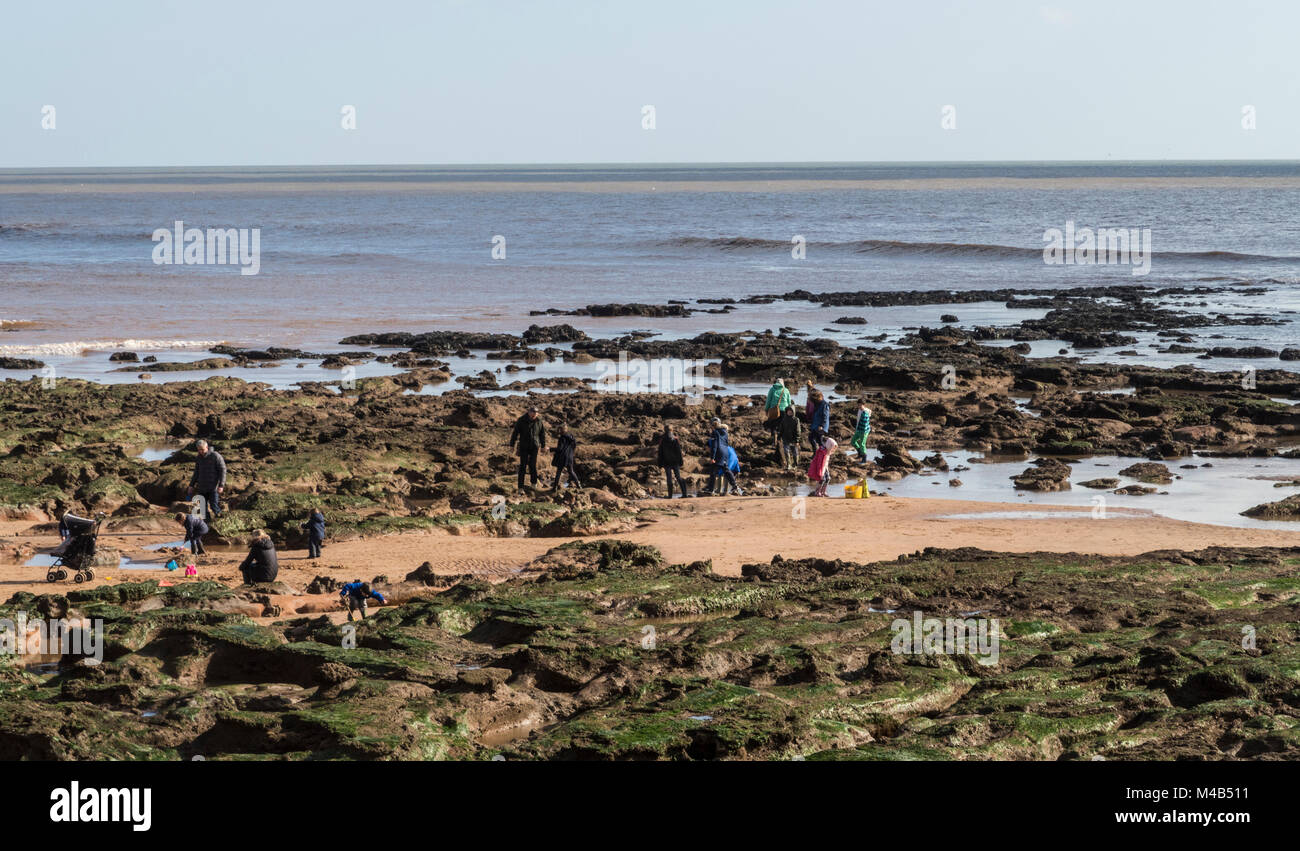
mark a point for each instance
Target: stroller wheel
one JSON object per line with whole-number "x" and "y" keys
{"x": 79, "y": 577}
{"x": 63, "y": 574}
{"x": 51, "y": 576}
{"x": 90, "y": 573}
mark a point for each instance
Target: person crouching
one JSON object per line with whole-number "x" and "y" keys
{"x": 195, "y": 529}
{"x": 261, "y": 563}
{"x": 357, "y": 594}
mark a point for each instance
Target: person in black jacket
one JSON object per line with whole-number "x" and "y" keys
{"x": 787, "y": 432}
{"x": 209, "y": 478}
{"x": 565, "y": 447}
{"x": 261, "y": 564}
{"x": 670, "y": 458}
{"x": 195, "y": 529}
{"x": 530, "y": 435}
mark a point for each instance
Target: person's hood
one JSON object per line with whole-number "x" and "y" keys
{"x": 263, "y": 544}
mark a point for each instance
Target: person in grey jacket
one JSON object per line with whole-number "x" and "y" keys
{"x": 209, "y": 479}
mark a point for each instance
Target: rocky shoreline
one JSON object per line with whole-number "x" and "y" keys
{"x": 603, "y": 651}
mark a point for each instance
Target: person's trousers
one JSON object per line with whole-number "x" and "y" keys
{"x": 196, "y": 546}
{"x": 728, "y": 477}
{"x": 573, "y": 476}
{"x": 860, "y": 443}
{"x": 815, "y": 438}
{"x": 313, "y": 547}
{"x": 354, "y": 604}
{"x": 789, "y": 454}
{"x": 669, "y": 473}
{"x": 528, "y": 460}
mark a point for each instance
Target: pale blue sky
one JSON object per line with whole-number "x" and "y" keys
{"x": 248, "y": 83}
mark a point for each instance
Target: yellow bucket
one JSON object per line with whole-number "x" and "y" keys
{"x": 853, "y": 491}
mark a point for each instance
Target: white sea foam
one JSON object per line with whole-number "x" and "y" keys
{"x": 82, "y": 347}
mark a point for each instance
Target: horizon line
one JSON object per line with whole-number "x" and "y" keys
{"x": 655, "y": 164}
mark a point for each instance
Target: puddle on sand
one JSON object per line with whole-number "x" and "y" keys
{"x": 123, "y": 563}
{"x": 506, "y": 735}
{"x": 156, "y": 453}
{"x": 166, "y": 545}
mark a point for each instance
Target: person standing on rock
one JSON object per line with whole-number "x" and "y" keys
{"x": 861, "y": 430}
{"x": 195, "y": 529}
{"x": 716, "y": 455}
{"x": 315, "y": 529}
{"x": 529, "y": 435}
{"x": 566, "y": 446}
{"x": 261, "y": 564}
{"x": 778, "y": 400}
{"x": 820, "y": 422}
{"x": 670, "y": 459}
{"x": 209, "y": 479}
{"x": 787, "y": 434}
{"x": 723, "y": 457}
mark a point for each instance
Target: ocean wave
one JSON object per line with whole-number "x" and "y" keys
{"x": 958, "y": 249}
{"x": 82, "y": 347}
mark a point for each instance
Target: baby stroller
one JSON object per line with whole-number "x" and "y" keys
{"x": 77, "y": 552}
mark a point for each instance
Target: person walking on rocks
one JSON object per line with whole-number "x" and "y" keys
{"x": 820, "y": 422}
{"x": 529, "y": 436}
{"x": 723, "y": 457}
{"x": 670, "y": 459}
{"x": 566, "y": 446}
{"x": 778, "y": 400}
{"x": 209, "y": 479}
{"x": 787, "y": 433}
{"x": 861, "y": 430}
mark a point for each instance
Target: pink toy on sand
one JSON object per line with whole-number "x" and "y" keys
{"x": 191, "y": 570}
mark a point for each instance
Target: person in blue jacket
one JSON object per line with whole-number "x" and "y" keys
{"x": 357, "y": 594}
{"x": 315, "y": 529}
{"x": 725, "y": 462}
{"x": 733, "y": 467}
{"x": 821, "y": 419}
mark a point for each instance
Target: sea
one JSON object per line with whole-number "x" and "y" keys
{"x": 357, "y": 249}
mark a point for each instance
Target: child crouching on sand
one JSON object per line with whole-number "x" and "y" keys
{"x": 820, "y": 468}
{"x": 357, "y": 594}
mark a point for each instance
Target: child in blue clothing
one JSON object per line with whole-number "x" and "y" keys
{"x": 357, "y": 594}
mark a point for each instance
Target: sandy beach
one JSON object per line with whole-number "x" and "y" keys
{"x": 729, "y": 531}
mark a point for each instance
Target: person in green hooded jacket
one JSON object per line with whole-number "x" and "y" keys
{"x": 861, "y": 431}
{"x": 778, "y": 400}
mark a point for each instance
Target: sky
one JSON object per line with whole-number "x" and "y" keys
{"x": 551, "y": 81}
